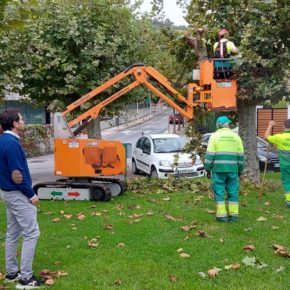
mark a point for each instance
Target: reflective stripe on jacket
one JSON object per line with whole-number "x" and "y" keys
{"x": 282, "y": 141}
{"x": 225, "y": 152}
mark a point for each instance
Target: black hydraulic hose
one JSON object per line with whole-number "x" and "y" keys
{"x": 82, "y": 126}
{"x": 133, "y": 65}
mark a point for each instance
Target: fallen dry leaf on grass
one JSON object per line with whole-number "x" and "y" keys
{"x": 57, "y": 263}
{"x": 95, "y": 213}
{"x": 49, "y": 282}
{"x": 233, "y": 266}
{"x": 213, "y": 272}
{"x": 2, "y": 276}
{"x": 201, "y": 274}
{"x": 280, "y": 269}
{"x": 279, "y": 247}
{"x": 118, "y": 282}
{"x": 108, "y": 227}
{"x": 56, "y": 220}
{"x": 121, "y": 245}
{"x": 210, "y": 211}
{"x": 261, "y": 219}
{"x": 68, "y": 216}
{"x": 149, "y": 213}
{"x": 131, "y": 206}
{"x": 281, "y": 251}
{"x": 236, "y": 266}
{"x": 93, "y": 243}
{"x": 203, "y": 234}
{"x": 119, "y": 206}
{"x": 49, "y": 276}
{"x": 61, "y": 274}
{"x": 166, "y": 198}
{"x": 250, "y": 261}
{"x": 135, "y": 215}
{"x": 172, "y": 278}
{"x": 184, "y": 255}
{"x": 249, "y": 247}
{"x": 254, "y": 262}
{"x": 187, "y": 228}
{"x": 170, "y": 218}
{"x": 267, "y": 203}
{"x": 198, "y": 199}
{"x": 222, "y": 240}
{"x": 81, "y": 216}
{"x": 134, "y": 221}
{"x": 278, "y": 217}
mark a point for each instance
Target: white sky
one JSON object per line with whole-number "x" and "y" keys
{"x": 172, "y": 11}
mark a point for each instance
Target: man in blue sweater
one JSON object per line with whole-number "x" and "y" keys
{"x": 20, "y": 201}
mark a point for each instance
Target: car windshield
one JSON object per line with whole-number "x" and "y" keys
{"x": 168, "y": 144}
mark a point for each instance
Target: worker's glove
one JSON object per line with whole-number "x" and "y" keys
{"x": 208, "y": 174}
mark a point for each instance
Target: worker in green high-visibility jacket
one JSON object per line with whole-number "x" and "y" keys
{"x": 282, "y": 141}
{"x": 225, "y": 159}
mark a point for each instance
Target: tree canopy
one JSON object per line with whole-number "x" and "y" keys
{"x": 65, "y": 49}
{"x": 261, "y": 30}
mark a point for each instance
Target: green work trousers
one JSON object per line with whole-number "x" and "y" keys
{"x": 229, "y": 183}
{"x": 285, "y": 176}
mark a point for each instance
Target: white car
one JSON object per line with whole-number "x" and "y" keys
{"x": 156, "y": 155}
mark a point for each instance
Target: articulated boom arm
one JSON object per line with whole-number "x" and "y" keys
{"x": 142, "y": 75}
{"x": 215, "y": 94}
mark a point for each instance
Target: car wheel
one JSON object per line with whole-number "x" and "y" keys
{"x": 134, "y": 167}
{"x": 154, "y": 173}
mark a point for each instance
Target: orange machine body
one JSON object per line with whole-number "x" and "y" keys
{"x": 88, "y": 157}
{"x": 220, "y": 95}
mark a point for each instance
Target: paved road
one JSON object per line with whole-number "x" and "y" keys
{"x": 41, "y": 168}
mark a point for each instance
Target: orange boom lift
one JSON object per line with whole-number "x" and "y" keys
{"x": 86, "y": 166}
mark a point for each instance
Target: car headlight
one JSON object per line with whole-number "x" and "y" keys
{"x": 263, "y": 158}
{"x": 165, "y": 163}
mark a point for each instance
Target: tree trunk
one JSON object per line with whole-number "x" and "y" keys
{"x": 247, "y": 131}
{"x": 94, "y": 129}
{"x": 197, "y": 44}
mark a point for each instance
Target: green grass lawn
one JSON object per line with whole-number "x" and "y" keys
{"x": 138, "y": 236}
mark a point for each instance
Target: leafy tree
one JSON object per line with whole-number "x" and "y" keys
{"x": 261, "y": 31}
{"x": 74, "y": 47}
{"x": 13, "y": 15}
